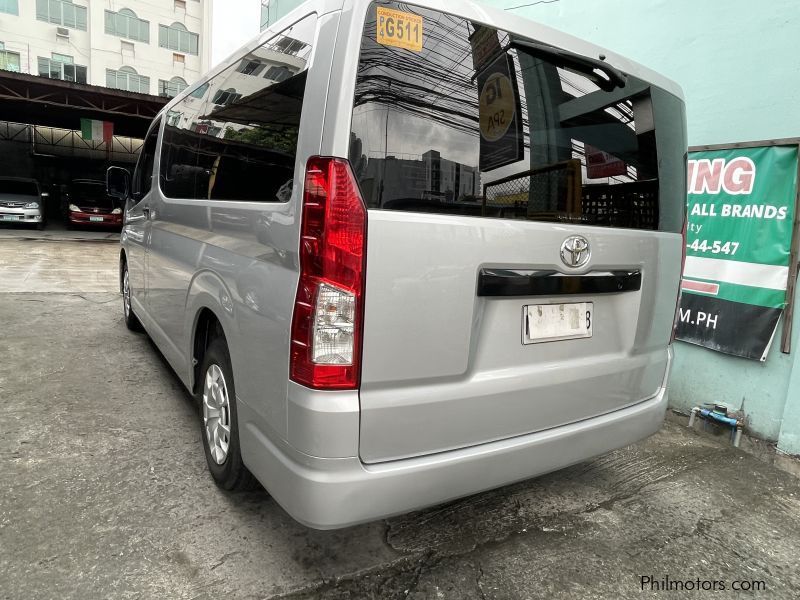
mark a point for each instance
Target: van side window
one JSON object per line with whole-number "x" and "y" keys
{"x": 143, "y": 175}
{"x": 238, "y": 139}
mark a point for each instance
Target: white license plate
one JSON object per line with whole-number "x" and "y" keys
{"x": 11, "y": 217}
{"x": 96, "y": 219}
{"x": 555, "y": 322}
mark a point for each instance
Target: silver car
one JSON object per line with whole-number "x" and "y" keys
{"x": 402, "y": 255}
{"x": 22, "y": 202}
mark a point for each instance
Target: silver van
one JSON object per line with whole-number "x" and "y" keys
{"x": 402, "y": 255}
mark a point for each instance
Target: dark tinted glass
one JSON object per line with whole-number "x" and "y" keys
{"x": 18, "y": 188}
{"x": 466, "y": 119}
{"x": 93, "y": 193}
{"x": 235, "y": 137}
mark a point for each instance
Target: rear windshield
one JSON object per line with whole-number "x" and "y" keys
{"x": 90, "y": 193}
{"x": 18, "y": 188}
{"x": 450, "y": 116}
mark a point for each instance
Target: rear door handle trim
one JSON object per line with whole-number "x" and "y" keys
{"x": 502, "y": 282}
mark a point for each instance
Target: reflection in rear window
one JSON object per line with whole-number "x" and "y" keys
{"x": 18, "y": 188}
{"x": 471, "y": 120}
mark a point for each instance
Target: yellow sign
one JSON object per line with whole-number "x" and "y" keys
{"x": 497, "y": 107}
{"x": 401, "y": 29}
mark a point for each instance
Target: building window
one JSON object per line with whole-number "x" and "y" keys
{"x": 250, "y": 67}
{"x": 179, "y": 59}
{"x": 9, "y": 6}
{"x": 180, "y": 5}
{"x": 171, "y": 88}
{"x": 9, "y": 61}
{"x": 290, "y": 46}
{"x": 225, "y": 97}
{"x": 127, "y": 25}
{"x": 126, "y": 78}
{"x": 199, "y": 91}
{"x": 177, "y": 37}
{"x": 61, "y": 12}
{"x": 278, "y": 73}
{"x": 61, "y": 66}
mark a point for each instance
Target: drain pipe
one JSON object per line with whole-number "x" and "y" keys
{"x": 721, "y": 418}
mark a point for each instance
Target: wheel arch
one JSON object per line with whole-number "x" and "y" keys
{"x": 207, "y": 327}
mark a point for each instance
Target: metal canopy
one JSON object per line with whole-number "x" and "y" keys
{"x": 41, "y": 101}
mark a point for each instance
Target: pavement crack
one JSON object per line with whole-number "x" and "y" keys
{"x": 478, "y": 583}
{"x": 223, "y": 559}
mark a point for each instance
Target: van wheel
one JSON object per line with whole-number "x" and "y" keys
{"x": 220, "y": 424}
{"x": 131, "y": 320}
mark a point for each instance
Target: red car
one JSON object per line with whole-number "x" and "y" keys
{"x": 89, "y": 205}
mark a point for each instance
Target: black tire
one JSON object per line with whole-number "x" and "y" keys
{"x": 231, "y": 474}
{"x": 131, "y": 320}
{"x": 40, "y": 226}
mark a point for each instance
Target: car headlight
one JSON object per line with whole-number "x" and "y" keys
{"x": 32, "y": 205}
{"x": 116, "y": 211}
{"x": 74, "y": 208}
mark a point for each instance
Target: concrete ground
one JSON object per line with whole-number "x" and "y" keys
{"x": 106, "y": 493}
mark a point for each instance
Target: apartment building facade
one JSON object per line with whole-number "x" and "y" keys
{"x": 156, "y": 47}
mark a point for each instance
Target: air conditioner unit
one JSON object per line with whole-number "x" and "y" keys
{"x": 62, "y": 32}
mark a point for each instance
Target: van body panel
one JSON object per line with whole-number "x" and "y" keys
{"x": 446, "y": 369}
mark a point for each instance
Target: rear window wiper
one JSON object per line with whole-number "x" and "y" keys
{"x": 607, "y": 78}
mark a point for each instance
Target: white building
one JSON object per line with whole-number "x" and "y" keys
{"x": 149, "y": 46}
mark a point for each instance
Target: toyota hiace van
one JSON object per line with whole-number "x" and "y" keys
{"x": 406, "y": 252}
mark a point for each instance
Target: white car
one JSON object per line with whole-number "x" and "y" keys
{"x": 22, "y": 201}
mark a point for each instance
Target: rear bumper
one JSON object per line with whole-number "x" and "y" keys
{"x": 338, "y": 492}
{"x": 80, "y": 218}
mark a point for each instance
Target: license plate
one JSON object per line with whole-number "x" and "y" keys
{"x": 10, "y": 217}
{"x": 96, "y": 219}
{"x": 556, "y": 322}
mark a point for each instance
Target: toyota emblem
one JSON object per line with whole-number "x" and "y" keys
{"x": 575, "y": 251}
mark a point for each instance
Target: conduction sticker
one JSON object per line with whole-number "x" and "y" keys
{"x": 400, "y": 29}
{"x": 497, "y": 106}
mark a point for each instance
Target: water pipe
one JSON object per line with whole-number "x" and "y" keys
{"x": 706, "y": 414}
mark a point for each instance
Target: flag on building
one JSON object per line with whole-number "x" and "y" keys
{"x": 97, "y": 131}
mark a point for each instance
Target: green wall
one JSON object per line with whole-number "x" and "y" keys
{"x": 737, "y": 64}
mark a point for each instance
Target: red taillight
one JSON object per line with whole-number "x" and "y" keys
{"x": 328, "y": 308}
{"x": 680, "y": 280}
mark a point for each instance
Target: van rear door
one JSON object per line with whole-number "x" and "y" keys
{"x": 525, "y": 205}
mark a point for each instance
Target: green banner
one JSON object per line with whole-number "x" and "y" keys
{"x": 740, "y": 217}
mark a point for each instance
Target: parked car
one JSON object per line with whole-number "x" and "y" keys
{"x": 22, "y": 201}
{"x": 374, "y": 349}
{"x": 88, "y": 204}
